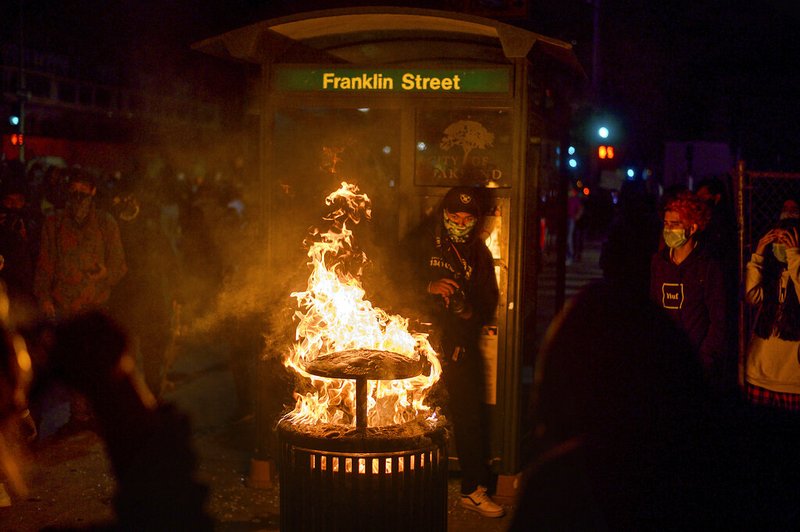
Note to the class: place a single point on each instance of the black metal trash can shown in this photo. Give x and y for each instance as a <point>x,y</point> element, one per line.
<point>337,478</point>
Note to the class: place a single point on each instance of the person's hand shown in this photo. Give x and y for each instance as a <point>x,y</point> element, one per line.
<point>443,287</point>
<point>789,238</point>
<point>773,235</point>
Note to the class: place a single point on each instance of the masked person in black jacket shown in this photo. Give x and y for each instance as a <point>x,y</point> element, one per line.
<point>455,271</point>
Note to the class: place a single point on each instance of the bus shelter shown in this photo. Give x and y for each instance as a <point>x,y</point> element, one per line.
<point>409,103</point>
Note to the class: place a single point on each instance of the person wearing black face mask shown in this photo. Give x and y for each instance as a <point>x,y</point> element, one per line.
<point>80,260</point>
<point>454,274</point>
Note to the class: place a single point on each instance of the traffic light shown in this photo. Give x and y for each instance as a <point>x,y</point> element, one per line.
<point>14,116</point>
<point>605,152</point>
<point>15,125</point>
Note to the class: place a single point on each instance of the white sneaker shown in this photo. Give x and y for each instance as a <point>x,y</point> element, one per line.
<point>479,501</point>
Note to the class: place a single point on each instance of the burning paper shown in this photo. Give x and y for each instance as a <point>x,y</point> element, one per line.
<point>333,316</point>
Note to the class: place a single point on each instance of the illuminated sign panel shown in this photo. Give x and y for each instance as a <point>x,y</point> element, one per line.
<point>394,80</point>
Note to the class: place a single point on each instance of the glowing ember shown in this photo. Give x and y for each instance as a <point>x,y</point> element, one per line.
<point>333,316</point>
<point>335,463</point>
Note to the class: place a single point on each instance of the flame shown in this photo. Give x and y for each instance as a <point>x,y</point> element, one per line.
<point>332,315</point>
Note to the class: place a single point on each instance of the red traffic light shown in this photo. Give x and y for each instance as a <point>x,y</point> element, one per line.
<point>605,152</point>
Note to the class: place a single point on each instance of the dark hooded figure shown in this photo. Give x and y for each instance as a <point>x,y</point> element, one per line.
<point>454,276</point>
<point>148,446</point>
<point>18,241</point>
<point>617,438</point>
<point>626,435</point>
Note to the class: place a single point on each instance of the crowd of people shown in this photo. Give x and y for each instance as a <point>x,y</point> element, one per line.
<point>100,274</point>
<point>152,251</point>
<point>642,415</point>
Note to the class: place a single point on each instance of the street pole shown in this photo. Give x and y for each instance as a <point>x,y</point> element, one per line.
<point>21,92</point>
<point>595,48</point>
<point>594,170</point>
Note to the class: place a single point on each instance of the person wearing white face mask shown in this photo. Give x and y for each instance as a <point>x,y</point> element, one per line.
<point>772,282</point>
<point>687,282</point>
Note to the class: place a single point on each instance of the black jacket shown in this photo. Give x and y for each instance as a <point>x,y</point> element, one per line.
<point>471,265</point>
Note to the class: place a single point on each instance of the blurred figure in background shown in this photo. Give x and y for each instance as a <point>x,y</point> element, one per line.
<point>722,240</point>
<point>52,197</point>
<point>574,233</point>
<point>633,237</point>
<point>80,260</point>
<point>201,261</point>
<point>148,446</point>
<point>17,427</point>
<point>721,233</point>
<point>143,299</point>
<point>19,233</point>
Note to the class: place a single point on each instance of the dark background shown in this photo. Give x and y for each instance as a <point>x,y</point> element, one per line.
<point>668,70</point>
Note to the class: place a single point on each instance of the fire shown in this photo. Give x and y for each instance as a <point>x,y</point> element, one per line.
<point>364,465</point>
<point>332,316</point>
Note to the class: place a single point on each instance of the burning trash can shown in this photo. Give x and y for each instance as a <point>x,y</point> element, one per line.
<point>362,478</point>
<point>361,450</point>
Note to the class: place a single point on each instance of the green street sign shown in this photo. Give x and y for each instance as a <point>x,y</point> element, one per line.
<point>393,80</point>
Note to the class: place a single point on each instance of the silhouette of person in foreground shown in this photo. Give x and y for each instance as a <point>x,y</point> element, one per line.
<point>617,407</point>
<point>149,446</point>
<point>626,433</point>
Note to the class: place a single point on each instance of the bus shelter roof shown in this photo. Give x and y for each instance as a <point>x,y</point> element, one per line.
<point>388,36</point>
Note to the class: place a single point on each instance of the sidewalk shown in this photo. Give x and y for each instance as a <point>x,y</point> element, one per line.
<point>71,485</point>
<point>578,274</point>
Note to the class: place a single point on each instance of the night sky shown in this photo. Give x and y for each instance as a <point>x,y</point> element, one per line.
<point>669,70</point>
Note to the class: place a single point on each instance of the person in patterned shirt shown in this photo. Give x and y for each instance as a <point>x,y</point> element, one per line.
<point>80,260</point>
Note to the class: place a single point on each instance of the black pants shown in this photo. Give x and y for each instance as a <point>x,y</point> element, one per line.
<point>464,380</point>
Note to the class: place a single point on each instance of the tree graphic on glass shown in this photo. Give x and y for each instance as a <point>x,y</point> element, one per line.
<point>469,135</point>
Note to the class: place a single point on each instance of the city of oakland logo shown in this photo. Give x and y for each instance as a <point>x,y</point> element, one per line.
<point>672,295</point>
